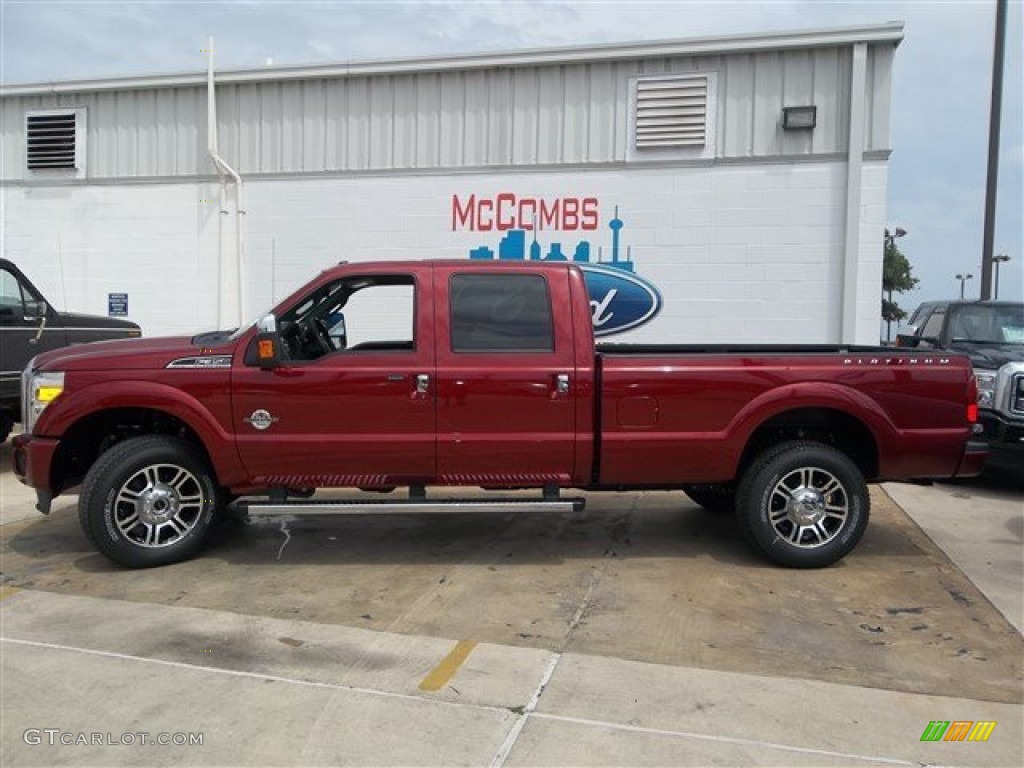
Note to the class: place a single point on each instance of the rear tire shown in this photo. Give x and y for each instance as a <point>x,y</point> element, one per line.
<point>803,505</point>
<point>149,501</point>
<point>717,497</point>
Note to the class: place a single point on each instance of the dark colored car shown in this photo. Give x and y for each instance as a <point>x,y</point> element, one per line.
<point>29,325</point>
<point>991,333</point>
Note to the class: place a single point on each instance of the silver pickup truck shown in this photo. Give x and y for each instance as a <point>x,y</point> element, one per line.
<point>991,334</point>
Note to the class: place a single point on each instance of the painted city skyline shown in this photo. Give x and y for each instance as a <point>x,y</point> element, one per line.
<point>513,247</point>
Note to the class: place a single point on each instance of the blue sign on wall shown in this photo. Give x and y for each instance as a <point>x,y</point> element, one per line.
<point>619,300</point>
<point>117,304</point>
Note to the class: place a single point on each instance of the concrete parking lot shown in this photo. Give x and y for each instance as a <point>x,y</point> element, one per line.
<point>639,632</point>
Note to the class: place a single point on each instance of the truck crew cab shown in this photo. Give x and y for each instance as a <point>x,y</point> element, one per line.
<point>30,325</point>
<point>422,374</point>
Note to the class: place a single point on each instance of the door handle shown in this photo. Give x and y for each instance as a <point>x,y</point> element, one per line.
<point>422,383</point>
<point>562,384</point>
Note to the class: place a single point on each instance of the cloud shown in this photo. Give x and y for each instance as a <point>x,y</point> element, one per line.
<point>941,80</point>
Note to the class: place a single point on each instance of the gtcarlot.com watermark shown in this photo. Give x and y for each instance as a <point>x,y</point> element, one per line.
<point>55,737</point>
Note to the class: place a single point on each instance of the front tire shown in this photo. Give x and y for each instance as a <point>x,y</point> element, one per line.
<point>149,501</point>
<point>803,505</point>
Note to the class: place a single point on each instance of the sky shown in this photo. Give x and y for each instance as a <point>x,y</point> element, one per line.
<point>941,82</point>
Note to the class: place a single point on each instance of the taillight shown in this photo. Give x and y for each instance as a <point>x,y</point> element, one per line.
<point>972,400</point>
<point>972,413</point>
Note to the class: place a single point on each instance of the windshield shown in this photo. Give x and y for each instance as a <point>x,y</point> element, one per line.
<point>982,324</point>
<point>237,333</point>
<point>298,313</point>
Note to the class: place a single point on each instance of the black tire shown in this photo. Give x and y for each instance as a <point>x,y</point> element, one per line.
<point>6,425</point>
<point>718,497</point>
<point>149,501</point>
<point>803,505</point>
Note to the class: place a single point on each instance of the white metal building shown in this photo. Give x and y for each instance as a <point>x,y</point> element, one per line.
<point>680,162</point>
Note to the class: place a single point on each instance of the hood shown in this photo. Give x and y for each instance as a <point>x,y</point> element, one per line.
<point>78,320</point>
<point>991,356</point>
<point>129,354</point>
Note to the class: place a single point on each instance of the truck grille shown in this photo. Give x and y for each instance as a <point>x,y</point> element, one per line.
<point>26,376</point>
<point>1017,394</point>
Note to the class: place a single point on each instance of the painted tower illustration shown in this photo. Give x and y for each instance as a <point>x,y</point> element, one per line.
<point>616,224</point>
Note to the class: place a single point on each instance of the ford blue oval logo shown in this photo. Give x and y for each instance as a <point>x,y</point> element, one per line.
<point>619,300</point>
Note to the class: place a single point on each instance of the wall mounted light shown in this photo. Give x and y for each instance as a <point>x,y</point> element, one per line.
<point>795,118</point>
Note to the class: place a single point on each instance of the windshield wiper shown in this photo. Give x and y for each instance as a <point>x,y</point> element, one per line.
<point>212,337</point>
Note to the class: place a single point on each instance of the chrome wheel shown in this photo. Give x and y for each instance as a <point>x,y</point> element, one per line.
<point>803,504</point>
<point>158,506</point>
<point>808,507</point>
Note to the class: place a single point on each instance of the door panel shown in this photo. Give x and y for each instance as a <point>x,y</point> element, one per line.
<point>23,335</point>
<point>354,417</point>
<point>503,416</point>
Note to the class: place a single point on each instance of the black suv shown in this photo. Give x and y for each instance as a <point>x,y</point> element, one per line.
<point>991,333</point>
<point>29,325</point>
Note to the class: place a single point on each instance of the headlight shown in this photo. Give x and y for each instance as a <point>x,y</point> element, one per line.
<point>41,390</point>
<point>986,388</point>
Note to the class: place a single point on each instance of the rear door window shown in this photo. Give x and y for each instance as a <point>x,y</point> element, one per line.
<point>501,313</point>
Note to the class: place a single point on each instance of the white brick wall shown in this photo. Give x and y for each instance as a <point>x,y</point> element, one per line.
<point>747,253</point>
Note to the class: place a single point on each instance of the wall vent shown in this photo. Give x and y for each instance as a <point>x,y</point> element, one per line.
<point>671,111</point>
<point>52,140</point>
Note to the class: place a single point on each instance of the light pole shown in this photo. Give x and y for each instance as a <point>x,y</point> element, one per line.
<point>890,242</point>
<point>963,281</point>
<point>997,260</point>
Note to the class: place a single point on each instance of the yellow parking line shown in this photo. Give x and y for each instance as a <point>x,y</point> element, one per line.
<point>445,671</point>
<point>6,592</point>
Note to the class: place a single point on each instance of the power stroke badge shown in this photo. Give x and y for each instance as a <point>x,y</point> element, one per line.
<point>260,419</point>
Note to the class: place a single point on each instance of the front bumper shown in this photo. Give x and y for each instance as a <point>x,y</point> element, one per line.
<point>1005,439</point>
<point>33,459</point>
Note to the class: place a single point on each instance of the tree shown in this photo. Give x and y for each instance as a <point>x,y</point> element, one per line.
<point>897,277</point>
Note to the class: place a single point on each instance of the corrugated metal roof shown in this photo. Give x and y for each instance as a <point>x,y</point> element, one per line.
<point>574,111</point>
<point>890,32</point>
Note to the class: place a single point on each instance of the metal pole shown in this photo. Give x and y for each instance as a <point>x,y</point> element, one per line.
<point>888,323</point>
<point>993,150</point>
<point>963,281</point>
<point>997,260</point>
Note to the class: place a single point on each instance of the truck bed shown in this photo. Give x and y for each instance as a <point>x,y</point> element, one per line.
<point>757,350</point>
<point>692,410</point>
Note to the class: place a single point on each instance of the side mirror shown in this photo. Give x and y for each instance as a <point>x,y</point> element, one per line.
<point>268,343</point>
<point>35,310</point>
<point>915,342</point>
<point>336,329</point>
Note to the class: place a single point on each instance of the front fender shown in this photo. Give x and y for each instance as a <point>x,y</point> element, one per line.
<point>76,404</point>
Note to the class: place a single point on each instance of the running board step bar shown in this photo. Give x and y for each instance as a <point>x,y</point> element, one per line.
<point>410,507</point>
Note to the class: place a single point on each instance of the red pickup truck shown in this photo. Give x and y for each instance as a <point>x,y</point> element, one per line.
<point>419,374</point>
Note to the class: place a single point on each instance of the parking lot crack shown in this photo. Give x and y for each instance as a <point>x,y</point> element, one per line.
<point>287,536</point>
<point>581,610</point>
<point>524,714</point>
